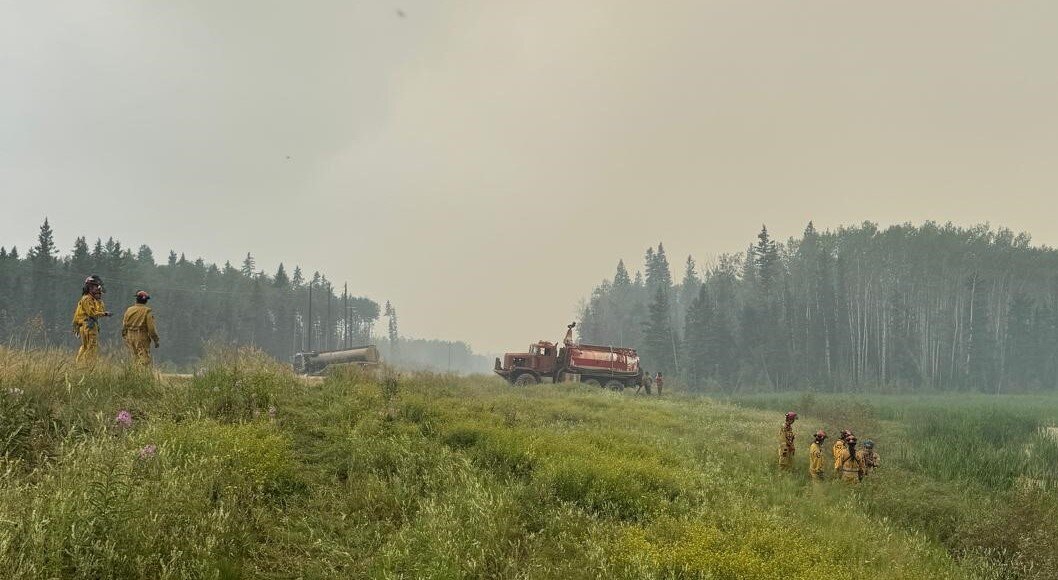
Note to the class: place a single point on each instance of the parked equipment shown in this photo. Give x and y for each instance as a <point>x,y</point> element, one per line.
<point>315,363</point>
<point>612,367</point>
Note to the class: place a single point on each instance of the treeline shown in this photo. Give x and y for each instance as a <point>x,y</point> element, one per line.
<point>936,307</point>
<point>194,302</point>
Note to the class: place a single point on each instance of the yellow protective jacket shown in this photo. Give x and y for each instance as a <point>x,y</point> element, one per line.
<point>138,318</point>
<point>851,468</point>
<point>839,450</point>
<point>815,460</point>
<point>87,313</point>
<point>786,439</point>
<point>871,461</point>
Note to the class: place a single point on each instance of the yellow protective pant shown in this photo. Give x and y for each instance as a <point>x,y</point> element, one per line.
<point>785,457</point>
<point>139,343</point>
<point>89,345</point>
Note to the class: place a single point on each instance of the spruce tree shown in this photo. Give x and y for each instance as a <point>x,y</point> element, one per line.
<point>145,256</point>
<point>249,266</point>
<point>659,342</point>
<point>281,280</point>
<point>621,278</point>
<point>44,252</point>
<point>696,338</point>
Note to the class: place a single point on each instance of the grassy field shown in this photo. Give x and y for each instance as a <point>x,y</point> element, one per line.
<point>247,472</point>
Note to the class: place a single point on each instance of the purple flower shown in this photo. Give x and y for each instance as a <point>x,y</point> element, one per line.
<point>124,419</point>
<point>148,451</point>
<point>272,412</point>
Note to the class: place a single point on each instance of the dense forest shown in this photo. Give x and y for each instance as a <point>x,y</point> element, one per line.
<point>194,302</point>
<point>934,307</point>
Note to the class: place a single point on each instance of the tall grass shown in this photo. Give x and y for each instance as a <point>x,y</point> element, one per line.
<point>978,473</point>
<point>247,471</point>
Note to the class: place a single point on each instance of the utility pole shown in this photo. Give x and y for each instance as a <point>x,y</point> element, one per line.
<point>345,317</point>
<point>330,331</point>
<point>309,326</point>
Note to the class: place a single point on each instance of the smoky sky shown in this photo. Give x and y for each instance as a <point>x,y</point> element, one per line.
<point>483,163</point>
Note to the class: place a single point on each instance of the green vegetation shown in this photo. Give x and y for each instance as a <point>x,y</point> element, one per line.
<point>246,471</point>
<point>903,309</point>
<point>196,302</point>
<point>977,473</point>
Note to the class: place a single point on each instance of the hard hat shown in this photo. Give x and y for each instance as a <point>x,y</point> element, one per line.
<point>821,434</point>
<point>868,444</point>
<point>845,433</point>
<point>791,415</point>
<point>143,295</point>
<point>92,283</point>
<point>851,440</point>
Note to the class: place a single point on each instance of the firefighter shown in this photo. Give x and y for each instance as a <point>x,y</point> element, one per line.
<point>786,441</point>
<point>659,381</point>
<point>568,341</point>
<point>851,463</point>
<point>839,448</point>
<point>138,329</point>
<point>645,382</point>
<point>815,456</point>
<point>86,315</point>
<point>870,457</point>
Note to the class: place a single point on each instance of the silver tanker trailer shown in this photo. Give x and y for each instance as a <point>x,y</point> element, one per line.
<point>315,363</point>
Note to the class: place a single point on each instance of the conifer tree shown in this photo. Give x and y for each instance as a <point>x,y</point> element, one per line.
<point>249,266</point>
<point>659,342</point>
<point>281,280</point>
<point>394,335</point>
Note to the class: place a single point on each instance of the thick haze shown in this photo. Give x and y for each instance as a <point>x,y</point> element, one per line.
<point>482,164</point>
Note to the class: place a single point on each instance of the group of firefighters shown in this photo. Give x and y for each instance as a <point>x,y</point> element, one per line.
<point>850,464</point>
<point>137,326</point>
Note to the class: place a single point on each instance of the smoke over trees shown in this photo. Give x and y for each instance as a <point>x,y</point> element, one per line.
<point>856,309</point>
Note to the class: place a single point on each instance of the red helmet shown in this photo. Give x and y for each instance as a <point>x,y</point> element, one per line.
<point>791,416</point>
<point>821,434</point>
<point>142,296</point>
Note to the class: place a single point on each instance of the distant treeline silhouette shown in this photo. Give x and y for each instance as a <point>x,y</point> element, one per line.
<point>857,309</point>
<point>194,302</point>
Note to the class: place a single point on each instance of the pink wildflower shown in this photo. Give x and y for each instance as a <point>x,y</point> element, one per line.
<point>272,412</point>
<point>148,451</point>
<point>124,419</point>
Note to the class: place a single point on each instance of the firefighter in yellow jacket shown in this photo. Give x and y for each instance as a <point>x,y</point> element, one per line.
<point>90,309</point>
<point>850,467</point>
<point>138,329</point>
<point>839,449</point>
<point>871,461</point>
<point>786,441</point>
<point>815,456</point>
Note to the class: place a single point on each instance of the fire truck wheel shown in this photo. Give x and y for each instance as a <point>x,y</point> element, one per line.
<point>525,379</point>
<point>593,383</point>
<point>615,386</point>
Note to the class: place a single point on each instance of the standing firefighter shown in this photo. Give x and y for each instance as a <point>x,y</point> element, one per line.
<point>786,441</point>
<point>815,456</point>
<point>659,381</point>
<point>839,448</point>
<point>90,309</point>
<point>139,331</point>
<point>851,464</point>
<point>645,382</point>
<point>870,457</point>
